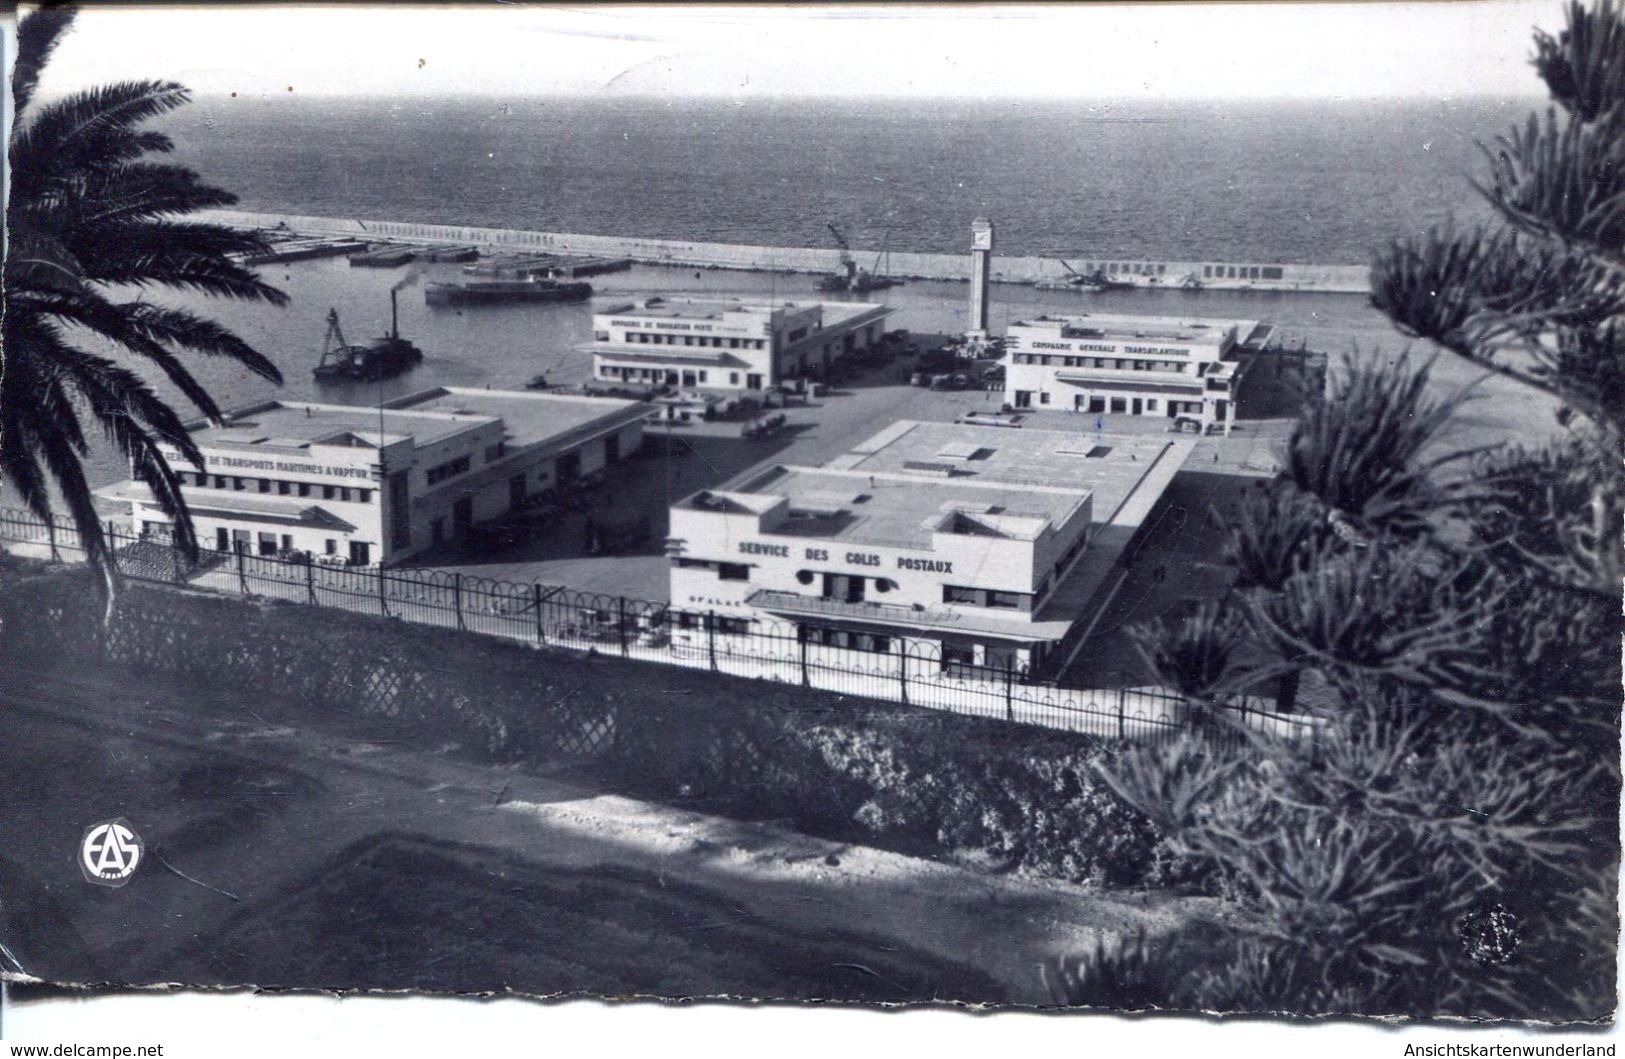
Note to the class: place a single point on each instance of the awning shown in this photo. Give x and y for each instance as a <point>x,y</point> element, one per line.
<point>891,616</point>
<point>237,507</point>
<point>718,359</point>
<point>1089,382</point>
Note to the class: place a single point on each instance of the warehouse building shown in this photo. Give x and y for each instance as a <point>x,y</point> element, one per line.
<point>366,485</point>
<point>953,542</point>
<point>733,347</point>
<point>1181,369</point>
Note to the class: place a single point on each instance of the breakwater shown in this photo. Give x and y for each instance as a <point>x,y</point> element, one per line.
<point>1150,273</point>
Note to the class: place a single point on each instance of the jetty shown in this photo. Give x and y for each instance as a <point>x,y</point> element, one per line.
<point>1207,274</point>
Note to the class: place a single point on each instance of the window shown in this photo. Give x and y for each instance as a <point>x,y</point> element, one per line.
<point>691,564</point>
<point>304,488</point>
<point>239,484</point>
<point>265,485</point>
<point>344,493</point>
<point>1150,404</point>
<point>284,488</point>
<point>733,572</point>
<point>1005,600</point>
<point>363,496</point>
<point>450,469</point>
<point>733,378</point>
<point>327,492</point>
<point>733,626</point>
<point>1272,272</point>
<point>702,376</point>
<point>287,542</point>
<point>1043,397</point>
<point>956,594</point>
<point>494,452</point>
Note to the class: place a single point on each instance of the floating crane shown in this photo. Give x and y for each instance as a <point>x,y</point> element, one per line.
<point>851,277</point>
<point>387,355</point>
<point>1078,281</point>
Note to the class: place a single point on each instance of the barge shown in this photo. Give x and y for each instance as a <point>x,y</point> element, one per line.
<point>505,291</point>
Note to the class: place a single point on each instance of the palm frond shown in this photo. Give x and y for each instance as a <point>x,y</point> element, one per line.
<point>169,254</point>
<point>38,34</point>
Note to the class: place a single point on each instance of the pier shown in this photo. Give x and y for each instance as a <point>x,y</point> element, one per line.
<point>1213,274</point>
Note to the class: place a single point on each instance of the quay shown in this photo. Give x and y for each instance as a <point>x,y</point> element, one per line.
<point>1137,272</point>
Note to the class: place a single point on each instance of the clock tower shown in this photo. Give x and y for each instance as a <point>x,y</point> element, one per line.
<point>981,266</point>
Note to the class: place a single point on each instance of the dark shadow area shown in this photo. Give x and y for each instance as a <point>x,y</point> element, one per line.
<point>405,911</point>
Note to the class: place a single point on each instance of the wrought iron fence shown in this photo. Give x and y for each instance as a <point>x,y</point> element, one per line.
<point>889,668</point>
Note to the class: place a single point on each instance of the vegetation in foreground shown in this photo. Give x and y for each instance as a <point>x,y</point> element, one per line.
<point>1450,846</point>
<point>90,214</point>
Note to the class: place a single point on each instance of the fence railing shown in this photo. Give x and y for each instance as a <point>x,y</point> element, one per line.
<point>889,668</point>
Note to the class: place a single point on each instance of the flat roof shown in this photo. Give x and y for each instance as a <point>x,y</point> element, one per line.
<point>1109,466</point>
<point>902,510</point>
<point>528,418</point>
<point>294,425</point>
<point>1123,327</point>
<point>713,309</point>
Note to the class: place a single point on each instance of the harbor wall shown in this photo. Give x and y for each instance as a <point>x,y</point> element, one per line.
<point>1348,279</point>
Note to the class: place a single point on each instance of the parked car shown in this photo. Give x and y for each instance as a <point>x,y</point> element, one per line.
<point>594,624</point>
<point>763,427</point>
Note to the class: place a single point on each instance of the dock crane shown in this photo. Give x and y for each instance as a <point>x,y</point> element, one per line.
<point>851,277</point>
<point>847,278</point>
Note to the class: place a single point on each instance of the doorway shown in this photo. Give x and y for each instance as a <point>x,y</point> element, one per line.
<point>462,516</point>
<point>1137,407</point>
<point>568,468</point>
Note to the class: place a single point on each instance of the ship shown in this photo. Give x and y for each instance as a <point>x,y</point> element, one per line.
<point>1089,282</point>
<point>501,291</point>
<point>852,279</point>
<point>383,357</point>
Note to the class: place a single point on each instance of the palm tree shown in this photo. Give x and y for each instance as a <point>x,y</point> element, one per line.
<point>90,216</point>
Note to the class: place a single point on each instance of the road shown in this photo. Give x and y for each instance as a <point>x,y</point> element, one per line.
<point>295,849</point>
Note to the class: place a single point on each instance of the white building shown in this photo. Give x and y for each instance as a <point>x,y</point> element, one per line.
<point>374,485</point>
<point>728,346</point>
<point>958,543</point>
<point>1129,365</point>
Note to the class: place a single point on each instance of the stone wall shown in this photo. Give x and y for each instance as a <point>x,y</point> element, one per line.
<point>851,768</point>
